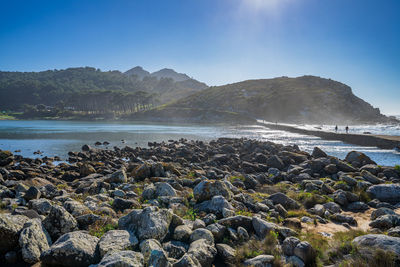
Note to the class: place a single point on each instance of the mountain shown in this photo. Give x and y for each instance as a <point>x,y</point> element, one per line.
<point>163,73</point>
<point>306,99</point>
<point>88,85</point>
<point>138,71</point>
<point>170,73</point>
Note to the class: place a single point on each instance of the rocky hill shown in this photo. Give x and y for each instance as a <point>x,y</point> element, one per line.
<point>306,99</point>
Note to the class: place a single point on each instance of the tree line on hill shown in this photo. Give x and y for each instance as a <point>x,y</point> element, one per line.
<point>86,90</point>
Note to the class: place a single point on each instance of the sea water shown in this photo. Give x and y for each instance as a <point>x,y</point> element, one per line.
<point>57,138</point>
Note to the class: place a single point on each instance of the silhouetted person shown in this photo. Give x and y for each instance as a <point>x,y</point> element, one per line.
<point>336,128</point>
<point>347,129</point>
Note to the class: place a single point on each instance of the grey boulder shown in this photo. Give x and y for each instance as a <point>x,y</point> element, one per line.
<point>73,249</point>
<point>33,240</point>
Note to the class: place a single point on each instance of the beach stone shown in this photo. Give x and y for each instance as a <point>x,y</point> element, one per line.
<point>359,157</point>
<point>318,153</point>
<point>226,252</point>
<point>175,249</point>
<point>386,221</point>
<point>369,177</point>
<point>41,206</point>
<point>261,227</point>
<point>10,228</point>
<point>151,222</point>
<point>385,192</point>
<point>118,177</point>
<point>287,202</point>
<point>164,189</point>
<point>182,233</point>
<point>357,206</point>
<point>59,222</point>
<point>126,258</point>
<point>74,249</point>
<point>218,231</point>
<point>33,240</point>
<point>206,189</point>
<point>203,251</point>
<point>216,206</point>
<point>260,261</point>
<point>275,162</point>
<point>236,221</point>
<point>380,212</point>
<point>141,172</point>
<point>153,253</point>
<point>305,252</point>
<point>116,240</point>
<point>395,231</point>
<point>379,241</point>
<point>331,169</point>
<point>332,207</point>
<point>76,208</point>
<point>32,193</point>
<point>295,261</point>
<point>289,245</point>
<point>187,261</point>
<point>202,233</point>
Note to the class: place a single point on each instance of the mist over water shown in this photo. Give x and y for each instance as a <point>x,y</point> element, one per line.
<point>57,138</point>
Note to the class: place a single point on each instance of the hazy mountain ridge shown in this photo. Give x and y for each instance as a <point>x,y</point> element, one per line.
<point>300,100</point>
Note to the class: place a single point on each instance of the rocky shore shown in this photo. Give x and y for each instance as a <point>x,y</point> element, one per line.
<point>229,202</point>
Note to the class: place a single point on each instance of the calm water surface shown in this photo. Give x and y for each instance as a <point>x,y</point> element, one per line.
<point>56,138</point>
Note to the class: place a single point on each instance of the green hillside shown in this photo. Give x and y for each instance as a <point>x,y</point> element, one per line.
<point>302,99</point>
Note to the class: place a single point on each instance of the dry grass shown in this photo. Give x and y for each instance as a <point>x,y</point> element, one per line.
<point>255,247</point>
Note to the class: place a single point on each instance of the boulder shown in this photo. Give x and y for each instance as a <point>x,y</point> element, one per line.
<point>117,177</point>
<point>116,240</point>
<point>289,245</point>
<point>260,261</point>
<point>175,249</point>
<point>226,252</point>
<point>380,212</point>
<point>261,227</point>
<point>385,192</point>
<point>305,252</point>
<point>216,205</point>
<point>154,254</point>
<point>369,177</point>
<point>182,233</point>
<point>125,258</point>
<point>32,193</point>
<point>378,241</point>
<point>206,189</point>
<point>358,157</point>
<point>202,233</point>
<point>164,189</point>
<point>10,228</point>
<point>33,240</point>
<point>41,206</point>
<point>318,153</point>
<point>284,200</point>
<point>203,251</point>
<point>275,162</point>
<point>187,260</point>
<point>150,222</point>
<point>73,249</point>
<point>386,221</point>
<point>59,222</point>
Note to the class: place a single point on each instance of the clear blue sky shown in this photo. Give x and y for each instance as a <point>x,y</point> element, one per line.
<point>216,41</point>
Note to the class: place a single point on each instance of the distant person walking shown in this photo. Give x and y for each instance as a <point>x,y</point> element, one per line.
<point>347,129</point>
<point>336,128</point>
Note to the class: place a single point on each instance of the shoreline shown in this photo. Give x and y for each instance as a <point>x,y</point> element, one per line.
<point>380,141</point>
